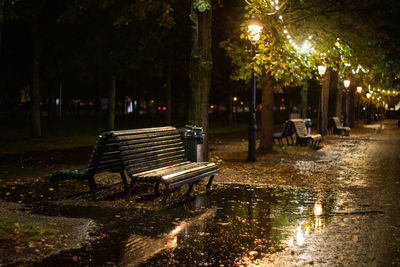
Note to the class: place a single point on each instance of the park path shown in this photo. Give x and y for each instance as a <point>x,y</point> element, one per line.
<point>362,173</point>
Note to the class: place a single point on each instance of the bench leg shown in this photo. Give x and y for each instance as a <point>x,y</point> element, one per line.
<point>165,194</point>
<point>123,177</point>
<point>189,189</point>
<point>92,185</point>
<point>210,182</point>
<point>129,191</point>
<point>156,189</point>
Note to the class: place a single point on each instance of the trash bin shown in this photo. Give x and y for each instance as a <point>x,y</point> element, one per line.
<point>308,125</point>
<point>192,138</point>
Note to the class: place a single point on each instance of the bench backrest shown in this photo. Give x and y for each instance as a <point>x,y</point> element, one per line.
<point>104,156</point>
<point>299,127</point>
<point>287,129</point>
<point>149,148</point>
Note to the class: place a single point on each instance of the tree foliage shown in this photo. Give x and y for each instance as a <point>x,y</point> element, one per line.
<point>344,34</point>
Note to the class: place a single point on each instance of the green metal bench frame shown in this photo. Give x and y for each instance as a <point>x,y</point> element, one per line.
<point>149,155</point>
<point>302,137</point>
<point>335,127</point>
<point>287,132</point>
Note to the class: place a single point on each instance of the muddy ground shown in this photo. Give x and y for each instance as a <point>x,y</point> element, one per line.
<point>360,172</point>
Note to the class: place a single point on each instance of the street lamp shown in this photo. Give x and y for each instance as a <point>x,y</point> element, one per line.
<point>359,90</point>
<point>254,31</point>
<point>368,95</point>
<point>346,84</point>
<point>323,110</point>
<point>321,70</point>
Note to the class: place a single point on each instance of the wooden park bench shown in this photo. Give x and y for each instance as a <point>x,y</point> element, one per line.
<point>335,127</point>
<point>302,137</point>
<point>150,155</point>
<point>287,132</point>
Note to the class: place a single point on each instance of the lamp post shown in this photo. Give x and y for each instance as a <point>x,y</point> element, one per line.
<point>254,30</point>
<point>359,90</point>
<point>346,84</point>
<point>368,95</point>
<point>323,112</point>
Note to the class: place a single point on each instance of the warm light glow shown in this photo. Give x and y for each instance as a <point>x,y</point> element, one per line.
<point>317,209</point>
<point>305,47</point>
<point>359,89</point>
<point>254,29</point>
<point>299,236</point>
<point>321,69</point>
<point>368,95</point>
<point>212,106</point>
<point>235,98</point>
<point>346,83</point>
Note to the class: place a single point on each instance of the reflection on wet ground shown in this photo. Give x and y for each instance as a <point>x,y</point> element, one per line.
<point>233,225</point>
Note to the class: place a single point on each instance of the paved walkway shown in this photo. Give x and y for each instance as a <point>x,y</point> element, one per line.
<point>362,174</point>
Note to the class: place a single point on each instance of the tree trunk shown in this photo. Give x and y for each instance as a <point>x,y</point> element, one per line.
<point>267,115</point>
<point>36,130</point>
<point>60,104</point>
<point>353,107</point>
<point>200,70</point>
<point>339,96</point>
<point>304,95</point>
<point>51,107</point>
<point>111,103</point>
<point>325,102</point>
<point>230,104</point>
<point>169,92</point>
<point>1,20</point>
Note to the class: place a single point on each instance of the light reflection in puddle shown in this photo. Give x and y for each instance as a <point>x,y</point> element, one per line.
<point>237,226</point>
<point>139,249</point>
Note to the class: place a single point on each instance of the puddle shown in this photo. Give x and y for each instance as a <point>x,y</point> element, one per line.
<point>233,225</point>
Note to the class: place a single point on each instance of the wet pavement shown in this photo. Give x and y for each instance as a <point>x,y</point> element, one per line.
<point>234,225</point>
<point>338,206</point>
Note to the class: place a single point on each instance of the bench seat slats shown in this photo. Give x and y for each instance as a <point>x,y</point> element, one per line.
<point>173,169</point>
<point>188,174</point>
<point>148,167</point>
<point>177,170</point>
<point>194,168</point>
<point>178,173</point>
<point>176,184</point>
<point>161,169</point>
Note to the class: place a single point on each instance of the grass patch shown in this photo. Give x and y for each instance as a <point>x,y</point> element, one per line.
<point>23,233</point>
